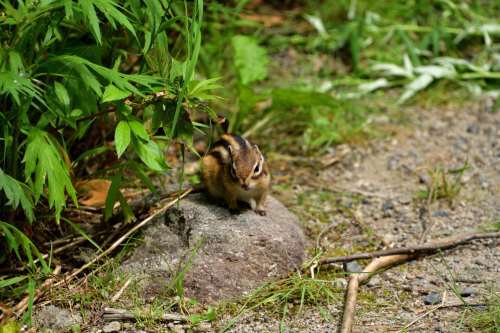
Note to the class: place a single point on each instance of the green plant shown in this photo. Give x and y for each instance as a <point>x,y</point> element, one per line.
<point>281,295</point>
<point>444,184</point>
<point>70,68</point>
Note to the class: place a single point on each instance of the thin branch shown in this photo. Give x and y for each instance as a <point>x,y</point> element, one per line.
<point>428,248</point>
<point>124,237</point>
<point>358,278</point>
<point>111,314</point>
<point>389,258</point>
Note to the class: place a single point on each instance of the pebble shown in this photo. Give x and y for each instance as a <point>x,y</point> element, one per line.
<point>388,205</point>
<point>352,267</point>
<point>473,128</point>
<point>373,282</point>
<point>440,213</point>
<point>467,291</point>
<point>113,326</point>
<point>432,298</point>
<point>392,163</point>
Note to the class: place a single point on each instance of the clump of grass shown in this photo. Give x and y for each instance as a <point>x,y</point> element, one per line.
<point>288,296</point>
<point>487,320</point>
<point>444,184</point>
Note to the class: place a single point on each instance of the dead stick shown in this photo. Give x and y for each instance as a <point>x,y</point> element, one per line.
<point>124,237</point>
<point>431,247</point>
<point>111,314</point>
<point>358,278</point>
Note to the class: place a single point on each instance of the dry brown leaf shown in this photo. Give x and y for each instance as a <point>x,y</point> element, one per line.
<point>266,20</point>
<point>93,192</point>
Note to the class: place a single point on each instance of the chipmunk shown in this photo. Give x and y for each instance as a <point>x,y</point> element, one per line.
<point>235,170</point>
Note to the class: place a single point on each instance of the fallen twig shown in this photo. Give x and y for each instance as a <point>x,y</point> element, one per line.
<point>111,314</point>
<point>120,292</point>
<point>391,257</point>
<point>430,247</point>
<point>358,278</point>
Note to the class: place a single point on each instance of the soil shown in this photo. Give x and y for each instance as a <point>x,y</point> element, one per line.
<point>379,182</point>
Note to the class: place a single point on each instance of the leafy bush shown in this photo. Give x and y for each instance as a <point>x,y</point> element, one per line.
<point>72,74</point>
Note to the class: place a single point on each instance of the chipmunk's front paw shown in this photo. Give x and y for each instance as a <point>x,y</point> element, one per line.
<point>261,212</point>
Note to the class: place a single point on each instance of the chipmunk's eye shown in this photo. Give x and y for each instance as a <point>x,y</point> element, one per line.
<point>233,172</point>
<point>257,169</point>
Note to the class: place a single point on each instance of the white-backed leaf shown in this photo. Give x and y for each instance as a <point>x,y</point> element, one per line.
<point>415,86</point>
<point>436,71</point>
<point>374,85</point>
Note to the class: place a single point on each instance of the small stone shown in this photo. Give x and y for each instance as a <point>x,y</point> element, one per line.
<point>388,205</point>
<point>113,326</point>
<point>340,283</point>
<point>352,267</point>
<point>373,282</point>
<point>440,213</point>
<point>467,292</point>
<point>425,179</point>
<point>203,327</point>
<point>392,163</point>
<point>432,298</point>
<point>473,128</point>
<point>365,201</point>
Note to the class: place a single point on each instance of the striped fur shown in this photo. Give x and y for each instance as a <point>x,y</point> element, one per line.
<point>235,170</point>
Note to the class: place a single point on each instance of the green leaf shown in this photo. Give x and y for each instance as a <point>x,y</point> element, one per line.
<point>82,233</point>
<point>151,154</point>
<point>8,282</point>
<point>138,129</point>
<point>112,93</point>
<point>90,14</point>
<point>250,59</point>
<point>122,137</point>
<point>43,160</point>
<point>113,192</point>
<point>62,94</point>
<point>17,193</point>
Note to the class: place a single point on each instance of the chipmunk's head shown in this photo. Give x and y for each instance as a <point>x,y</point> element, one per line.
<point>247,163</point>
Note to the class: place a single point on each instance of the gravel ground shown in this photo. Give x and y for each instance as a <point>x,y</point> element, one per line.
<point>387,174</point>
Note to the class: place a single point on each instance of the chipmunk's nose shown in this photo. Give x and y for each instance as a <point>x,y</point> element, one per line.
<point>245,187</point>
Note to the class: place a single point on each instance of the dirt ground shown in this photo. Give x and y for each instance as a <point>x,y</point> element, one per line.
<point>379,182</point>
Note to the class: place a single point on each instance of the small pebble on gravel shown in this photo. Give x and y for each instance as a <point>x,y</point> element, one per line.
<point>113,326</point>
<point>440,213</point>
<point>432,298</point>
<point>467,291</point>
<point>473,128</point>
<point>352,267</point>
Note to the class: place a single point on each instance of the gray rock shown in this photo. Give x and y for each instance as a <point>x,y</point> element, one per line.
<point>113,326</point>
<point>53,318</point>
<point>230,254</point>
<point>387,205</point>
<point>440,213</point>
<point>432,298</point>
<point>352,267</point>
<point>467,292</point>
<point>473,128</point>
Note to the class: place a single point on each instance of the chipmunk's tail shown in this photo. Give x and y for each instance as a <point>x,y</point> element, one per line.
<point>223,123</point>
